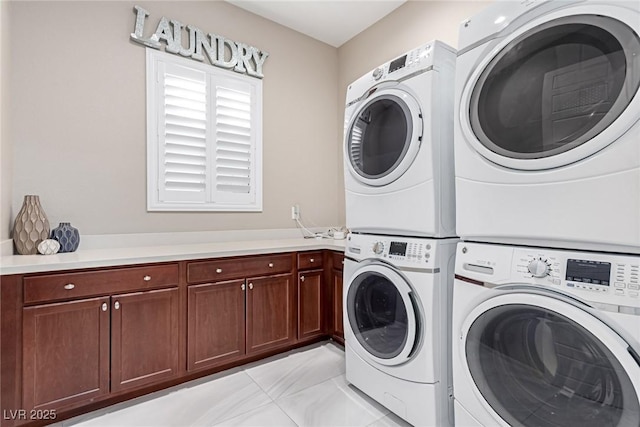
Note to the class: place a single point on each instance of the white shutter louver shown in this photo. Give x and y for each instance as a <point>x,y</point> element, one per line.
<point>183,135</point>
<point>234,136</point>
<point>204,137</point>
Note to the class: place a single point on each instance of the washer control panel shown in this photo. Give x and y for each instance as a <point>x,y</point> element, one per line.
<point>420,57</point>
<point>597,277</point>
<point>400,251</point>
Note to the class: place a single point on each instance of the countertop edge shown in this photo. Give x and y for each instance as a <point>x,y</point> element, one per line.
<point>113,257</point>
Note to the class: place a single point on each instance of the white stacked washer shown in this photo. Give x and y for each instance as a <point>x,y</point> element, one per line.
<point>545,337</point>
<point>547,118</point>
<point>399,146</point>
<point>397,295</point>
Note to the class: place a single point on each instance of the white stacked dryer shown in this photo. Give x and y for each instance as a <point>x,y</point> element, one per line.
<point>399,146</point>
<point>400,208</point>
<point>547,125</point>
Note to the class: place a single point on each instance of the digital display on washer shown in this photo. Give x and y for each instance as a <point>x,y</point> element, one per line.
<point>594,272</point>
<point>396,64</point>
<point>398,248</point>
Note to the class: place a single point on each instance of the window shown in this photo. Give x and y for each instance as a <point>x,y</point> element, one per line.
<point>204,137</point>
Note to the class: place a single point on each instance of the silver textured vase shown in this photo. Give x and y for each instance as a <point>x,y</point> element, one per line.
<point>31,226</point>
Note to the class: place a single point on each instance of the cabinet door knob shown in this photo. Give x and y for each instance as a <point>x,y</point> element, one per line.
<point>146,278</point>
<point>116,305</point>
<point>218,270</point>
<point>312,260</point>
<point>250,285</point>
<point>242,287</point>
<point>302,278</point>
<point>104,306</point>
<point>270,265</point>
<point>69,286</point>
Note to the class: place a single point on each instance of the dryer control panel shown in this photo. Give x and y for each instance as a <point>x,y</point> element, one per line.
<point>399,251</point>
<point>595,277</point>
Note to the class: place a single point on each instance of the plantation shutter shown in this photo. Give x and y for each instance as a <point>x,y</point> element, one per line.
<point>183,134</point>
<point>235,136</point>
<point>204,137</point>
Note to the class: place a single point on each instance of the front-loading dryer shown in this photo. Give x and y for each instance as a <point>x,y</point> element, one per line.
<point>545,337</point>
<point>396,299</point>
<point>547,118</point>
<point>398,147</point>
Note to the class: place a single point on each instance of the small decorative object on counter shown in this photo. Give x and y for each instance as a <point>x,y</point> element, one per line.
<point>31,226</point>
<point>67,236</point>
<point>49,247</point>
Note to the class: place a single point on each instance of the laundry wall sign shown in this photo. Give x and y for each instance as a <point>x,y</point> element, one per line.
<point>218,50</point>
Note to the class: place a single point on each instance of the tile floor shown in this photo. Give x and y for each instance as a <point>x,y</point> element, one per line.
<point>304,387</point>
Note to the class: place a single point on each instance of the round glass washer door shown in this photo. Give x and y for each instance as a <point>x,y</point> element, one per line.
<point>383,137</point>
<point>383,315</point>
<point>537,361</point>
<point>543,99</point>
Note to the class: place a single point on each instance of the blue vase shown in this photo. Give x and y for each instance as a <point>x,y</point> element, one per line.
<point>67,236</point>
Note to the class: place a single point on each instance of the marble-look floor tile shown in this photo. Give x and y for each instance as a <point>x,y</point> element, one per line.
<point>298,371</point>
<point>265,416</point>
<point>332,403</point>
<point>390,420</point>
<point>202,405</point>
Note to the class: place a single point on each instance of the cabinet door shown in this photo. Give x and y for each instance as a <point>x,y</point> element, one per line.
<point>271,314</point>
<point>144,338</point>
<point>216,326</point>
<point>310,304</point>
<point>337,304</point>
<point>65,353</point>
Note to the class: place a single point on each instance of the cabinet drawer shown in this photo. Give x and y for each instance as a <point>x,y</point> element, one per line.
<point>337,260</point>
<point>238,268</point>
<point>55,287</point>
<point>308,260</point>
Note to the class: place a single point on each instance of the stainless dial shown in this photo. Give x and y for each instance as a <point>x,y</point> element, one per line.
<point>378,248</point>
<point>539,267</point>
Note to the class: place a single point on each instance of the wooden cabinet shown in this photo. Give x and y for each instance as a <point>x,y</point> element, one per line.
<point>311,295</point>
<point>230,319</point>
<point>216,323</point>
<point>78,351</point>
<point>270,312</point>
<point>337,285</point>
<point>65,353</point>
<point>144,338</point>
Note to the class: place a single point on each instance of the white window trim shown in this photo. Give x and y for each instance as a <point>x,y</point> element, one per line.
<point>153,58</point>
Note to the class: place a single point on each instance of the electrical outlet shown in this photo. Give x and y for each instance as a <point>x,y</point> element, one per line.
<point>295,212</point>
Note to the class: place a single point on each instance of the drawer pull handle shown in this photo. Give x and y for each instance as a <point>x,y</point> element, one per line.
<point>104,306</point>
<point>250,285</point>
<point>312,260</point>
<point>146,278</point>
<point>218,270</point>
<point>69,286</point>
<point>270,265</point>
<point>302,278</point>
<point>116,305</point>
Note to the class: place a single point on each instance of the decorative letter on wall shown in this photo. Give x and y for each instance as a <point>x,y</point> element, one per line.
<point>242,58</point>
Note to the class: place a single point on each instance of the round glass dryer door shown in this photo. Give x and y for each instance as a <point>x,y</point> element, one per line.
<point>544,367</point>
<point>382,314</point>
<point>383,137</point>
<point>555,88</point>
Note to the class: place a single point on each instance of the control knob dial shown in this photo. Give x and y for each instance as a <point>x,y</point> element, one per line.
<point>377,73</point>
<point>378,247</point>
<point>539,267</point>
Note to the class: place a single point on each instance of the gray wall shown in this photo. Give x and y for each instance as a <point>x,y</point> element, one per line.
<point>6,154</point>
<point>78,116</point>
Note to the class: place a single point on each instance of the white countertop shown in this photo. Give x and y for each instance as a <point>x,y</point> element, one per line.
<point>106,257</point>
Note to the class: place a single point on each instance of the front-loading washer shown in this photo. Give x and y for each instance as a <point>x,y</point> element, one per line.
<point>398,146</point>
<point>396,299</point>
<point>547,118</point>
<point>545,337</point>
